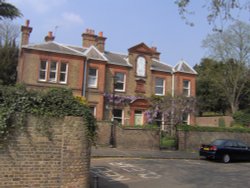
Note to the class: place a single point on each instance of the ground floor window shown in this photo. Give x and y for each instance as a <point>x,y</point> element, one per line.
<point>118,115</point>
<point>93,110</point>
<point>186,119</point>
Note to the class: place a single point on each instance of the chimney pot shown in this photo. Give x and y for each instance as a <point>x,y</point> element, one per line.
<point>49,37</point>
<point>100,34</point>
<point>154,48</point>
<point>27,23</point>
<point>50,34</point>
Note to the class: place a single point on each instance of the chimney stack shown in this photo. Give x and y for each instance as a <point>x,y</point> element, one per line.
<point>156,54</point>
<point>100,42</point>
<point>26,30</point>
<point>49,37</point>
<point>89,38</point>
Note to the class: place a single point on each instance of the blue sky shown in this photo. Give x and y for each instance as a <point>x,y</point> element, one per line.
<point>125,23</point>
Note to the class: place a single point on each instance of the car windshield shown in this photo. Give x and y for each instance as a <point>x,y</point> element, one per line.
<point>218,142</point>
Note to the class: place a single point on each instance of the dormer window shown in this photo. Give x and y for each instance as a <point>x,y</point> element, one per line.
<point>141,67</point>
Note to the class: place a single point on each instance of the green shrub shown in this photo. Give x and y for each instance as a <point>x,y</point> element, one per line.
<point>242,117</point>
<point>16,102</point>
<point>167,141</point>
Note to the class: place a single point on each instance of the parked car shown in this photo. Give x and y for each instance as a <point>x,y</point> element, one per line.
<point>225,150</point>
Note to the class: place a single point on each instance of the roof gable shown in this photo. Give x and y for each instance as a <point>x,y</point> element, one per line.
<point>93,53</point>
<point>182,66</point>
<point>142,48</point>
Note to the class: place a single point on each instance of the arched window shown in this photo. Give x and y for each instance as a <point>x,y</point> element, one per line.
<point>141,66</point>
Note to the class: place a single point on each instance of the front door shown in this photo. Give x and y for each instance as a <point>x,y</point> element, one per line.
<point>138,117</point>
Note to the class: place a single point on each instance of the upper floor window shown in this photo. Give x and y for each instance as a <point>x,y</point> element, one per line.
<point>119,81</point>
<point>159,86</point>
<point>53,71</point>
<point>141,67</point>
<point>186,88</point>
<point>92,79</point>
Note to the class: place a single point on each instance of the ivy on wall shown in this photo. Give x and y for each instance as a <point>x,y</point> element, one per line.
<point>16,102</point>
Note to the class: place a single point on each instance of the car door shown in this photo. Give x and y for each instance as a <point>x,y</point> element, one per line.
<point>230,149</point>
<point>244,152</point>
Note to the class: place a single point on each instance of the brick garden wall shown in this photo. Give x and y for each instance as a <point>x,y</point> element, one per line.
<point>129,138</point>
<point>32,160</point>
<point>213,121</point>
<point>192,140</point>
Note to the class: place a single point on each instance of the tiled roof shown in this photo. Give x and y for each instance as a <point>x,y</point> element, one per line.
<point>53,47</point>
<point>117,59</point>
<point>111,57</point>
<point>182,66</point>
<point>160,66</point>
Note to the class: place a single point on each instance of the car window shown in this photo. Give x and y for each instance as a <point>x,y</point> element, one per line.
<point>229,144</point>
<point>218,142</point>
<point>241,144</point>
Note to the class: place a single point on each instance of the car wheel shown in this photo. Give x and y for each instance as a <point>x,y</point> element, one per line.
<point>226,158</point>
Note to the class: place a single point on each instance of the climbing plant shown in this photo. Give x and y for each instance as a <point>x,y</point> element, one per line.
<point>16,102</point>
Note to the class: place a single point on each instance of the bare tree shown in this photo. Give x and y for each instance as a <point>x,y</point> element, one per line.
<point>217,10</point>
<point>9,31</point>
<point>232,48</point>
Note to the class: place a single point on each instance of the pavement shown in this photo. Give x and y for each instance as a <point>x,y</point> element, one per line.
<point>106,152</point>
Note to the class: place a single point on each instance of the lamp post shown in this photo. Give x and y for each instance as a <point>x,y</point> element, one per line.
<point>112,134</point>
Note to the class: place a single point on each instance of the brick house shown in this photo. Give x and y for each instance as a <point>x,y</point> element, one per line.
<point>91,71</point>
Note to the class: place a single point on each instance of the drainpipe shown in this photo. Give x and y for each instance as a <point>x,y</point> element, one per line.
<point>172,104</point>
<point>173,84</point>
<point>85,68</point>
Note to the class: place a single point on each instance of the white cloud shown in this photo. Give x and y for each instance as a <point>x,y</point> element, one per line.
<point>72,17</point>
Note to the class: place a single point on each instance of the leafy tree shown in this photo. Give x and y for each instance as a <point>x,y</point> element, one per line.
<point>8,10</point>
<point>209,91</point>
<point>232,48</point>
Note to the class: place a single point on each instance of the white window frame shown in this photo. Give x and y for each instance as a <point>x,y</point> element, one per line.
<point>63,72</point>
<point>119,81</point>
<point>122,118</point>
<point>54,79</point>
<point>96,79</point>
<point>141,66</point>
<point>187,88</point>
<point>43,70</point>
<point>160,86</point>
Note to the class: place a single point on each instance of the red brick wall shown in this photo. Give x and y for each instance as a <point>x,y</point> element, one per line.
<point>32,160</point>
<point>213,121</point>
<point>191,140</point>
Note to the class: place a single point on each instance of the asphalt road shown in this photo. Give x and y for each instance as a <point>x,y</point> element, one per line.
<point>169,173</point>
